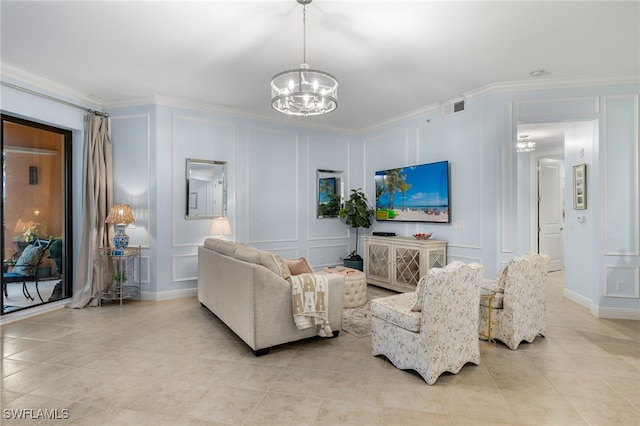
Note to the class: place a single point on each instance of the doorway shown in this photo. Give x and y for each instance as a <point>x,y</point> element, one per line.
<point>36,214</point>
<point>541,176</point>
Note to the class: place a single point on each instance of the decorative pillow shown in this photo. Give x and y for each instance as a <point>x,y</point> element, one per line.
<point>29,260</point>
<point>275,264</point>
<point>299,266</point>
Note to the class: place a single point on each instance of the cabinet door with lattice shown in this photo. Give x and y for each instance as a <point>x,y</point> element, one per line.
<point>407,270</point>
<point>378,261</point>
<point>437,259</point>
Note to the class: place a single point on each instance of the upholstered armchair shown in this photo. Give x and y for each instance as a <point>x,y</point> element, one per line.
<point>435,328</point>
<point>518,307</point>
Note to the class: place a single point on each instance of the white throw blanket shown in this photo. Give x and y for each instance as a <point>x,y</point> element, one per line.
<point>309,297</point>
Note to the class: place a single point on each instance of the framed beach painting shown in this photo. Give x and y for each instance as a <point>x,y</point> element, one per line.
<point>580,187</point>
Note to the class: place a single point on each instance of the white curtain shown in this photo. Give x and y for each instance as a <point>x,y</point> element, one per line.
<point>97,197</point>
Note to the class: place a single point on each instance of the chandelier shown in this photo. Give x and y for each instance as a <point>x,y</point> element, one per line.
<point>524,145</point>
<point>304,91</point>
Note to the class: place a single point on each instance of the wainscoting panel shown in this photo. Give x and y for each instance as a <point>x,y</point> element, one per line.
<point>622,281</point>
<point>327,255</point>
<point>185,267</point>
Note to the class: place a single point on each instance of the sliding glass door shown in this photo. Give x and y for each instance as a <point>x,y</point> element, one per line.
<point>36,214</point>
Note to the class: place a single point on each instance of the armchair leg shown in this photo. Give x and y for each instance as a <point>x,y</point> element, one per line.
<point>38,290</point>
<point>25,291</point>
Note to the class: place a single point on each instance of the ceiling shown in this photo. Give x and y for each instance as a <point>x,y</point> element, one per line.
<point>391,58</point>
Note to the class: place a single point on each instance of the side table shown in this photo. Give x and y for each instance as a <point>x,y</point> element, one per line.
<point>488,294</point>
<point>355,285</point>
<point>124,285</point>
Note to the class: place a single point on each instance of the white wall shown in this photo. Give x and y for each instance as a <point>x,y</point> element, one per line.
<point>272,182</point>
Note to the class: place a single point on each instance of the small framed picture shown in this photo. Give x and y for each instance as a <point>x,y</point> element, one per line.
<point>580,187</point>
<point>193,200</point>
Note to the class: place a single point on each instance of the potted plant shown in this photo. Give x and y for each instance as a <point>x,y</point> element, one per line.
<point>357,212</point>
<point>119,277</point>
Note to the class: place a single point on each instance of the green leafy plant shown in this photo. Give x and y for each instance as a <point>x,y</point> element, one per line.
<point>120,276</point>
<point>358,213</point>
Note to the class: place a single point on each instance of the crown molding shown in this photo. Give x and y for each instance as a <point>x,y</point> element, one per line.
<point>214,109</point>
<point>47,87</point>
<point>65,93</point>
<point>553,83</point>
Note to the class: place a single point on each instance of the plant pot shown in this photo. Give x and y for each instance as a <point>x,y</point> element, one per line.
<point>353,264</point>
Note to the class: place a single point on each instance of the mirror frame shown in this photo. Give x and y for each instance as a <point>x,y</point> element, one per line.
<point>331,181</point>
<point>192,197</point>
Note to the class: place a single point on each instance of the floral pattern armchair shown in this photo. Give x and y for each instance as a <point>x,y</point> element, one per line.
<point>441,334</point>
<point>518,308</point>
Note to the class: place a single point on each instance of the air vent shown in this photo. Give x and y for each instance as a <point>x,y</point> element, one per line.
<point>453,107</point>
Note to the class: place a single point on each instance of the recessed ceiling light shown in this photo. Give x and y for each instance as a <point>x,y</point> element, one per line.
<point>536,73</point>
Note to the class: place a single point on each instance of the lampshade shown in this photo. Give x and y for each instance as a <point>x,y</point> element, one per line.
<point>220,226</point>
<point>304,91</point>
<point>120,213</point>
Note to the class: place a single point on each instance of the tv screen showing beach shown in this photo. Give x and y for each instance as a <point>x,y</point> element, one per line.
<point>413,194</point>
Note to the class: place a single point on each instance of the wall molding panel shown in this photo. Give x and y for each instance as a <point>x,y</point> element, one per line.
<point>621,194</point>
<point>272,217</point>
<point>507,186</point>
<point>131,140</point>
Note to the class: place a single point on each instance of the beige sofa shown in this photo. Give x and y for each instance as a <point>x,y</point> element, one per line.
<point>245,289</point>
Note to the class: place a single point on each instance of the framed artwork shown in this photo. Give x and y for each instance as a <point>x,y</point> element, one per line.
<point>193,200</point>
<point>580,187</point>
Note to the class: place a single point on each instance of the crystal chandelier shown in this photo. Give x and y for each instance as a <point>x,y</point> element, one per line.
<point>524,145</point>
<point>304,91</point>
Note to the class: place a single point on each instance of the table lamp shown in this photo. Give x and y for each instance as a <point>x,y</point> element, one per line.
<point>220,226</point>
<point>121,216</point>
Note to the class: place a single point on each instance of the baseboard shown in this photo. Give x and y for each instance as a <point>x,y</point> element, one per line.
<point>169,295</point>
<point>616,313</point>
<point>598,312</point>
<point>578,298</point>
<point>33,311</point>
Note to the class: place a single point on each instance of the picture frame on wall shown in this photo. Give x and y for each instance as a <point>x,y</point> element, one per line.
<point>580,187</point>
<point>193,200</point>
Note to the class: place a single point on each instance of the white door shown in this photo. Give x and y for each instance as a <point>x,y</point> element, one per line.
<point>550,220</point>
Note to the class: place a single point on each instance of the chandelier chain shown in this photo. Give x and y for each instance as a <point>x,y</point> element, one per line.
<point>304,33</point>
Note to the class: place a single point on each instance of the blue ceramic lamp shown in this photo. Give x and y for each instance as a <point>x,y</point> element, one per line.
<point>121,216</point>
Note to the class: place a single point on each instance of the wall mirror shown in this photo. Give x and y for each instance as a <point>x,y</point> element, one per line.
<point>206,189</point>
<point>330,191</point>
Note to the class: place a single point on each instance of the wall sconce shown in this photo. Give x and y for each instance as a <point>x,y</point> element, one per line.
<point>33,175</point>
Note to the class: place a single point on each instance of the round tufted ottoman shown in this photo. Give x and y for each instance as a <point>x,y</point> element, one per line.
<point>355,286</point>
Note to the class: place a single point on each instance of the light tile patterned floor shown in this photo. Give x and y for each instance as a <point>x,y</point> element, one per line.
<point>174,363</point>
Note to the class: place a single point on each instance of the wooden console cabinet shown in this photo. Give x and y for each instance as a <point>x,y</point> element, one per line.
<point>398,263</point>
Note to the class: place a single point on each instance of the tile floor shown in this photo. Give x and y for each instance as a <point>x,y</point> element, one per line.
<point>174,363</point>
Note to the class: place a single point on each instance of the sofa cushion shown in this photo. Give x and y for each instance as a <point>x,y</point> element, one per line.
<point>247,254</point>
<point>225,247</point>
<point>211,243</point>
<point>500,281</point>
<point>275,264</point>
<point>397,309</point>
<point>299,266</point>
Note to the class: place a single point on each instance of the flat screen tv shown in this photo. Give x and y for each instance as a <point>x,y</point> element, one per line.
<point>413,194</point>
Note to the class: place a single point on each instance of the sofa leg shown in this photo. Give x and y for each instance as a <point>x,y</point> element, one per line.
<point>335,333</point>
<point>261,352</point>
